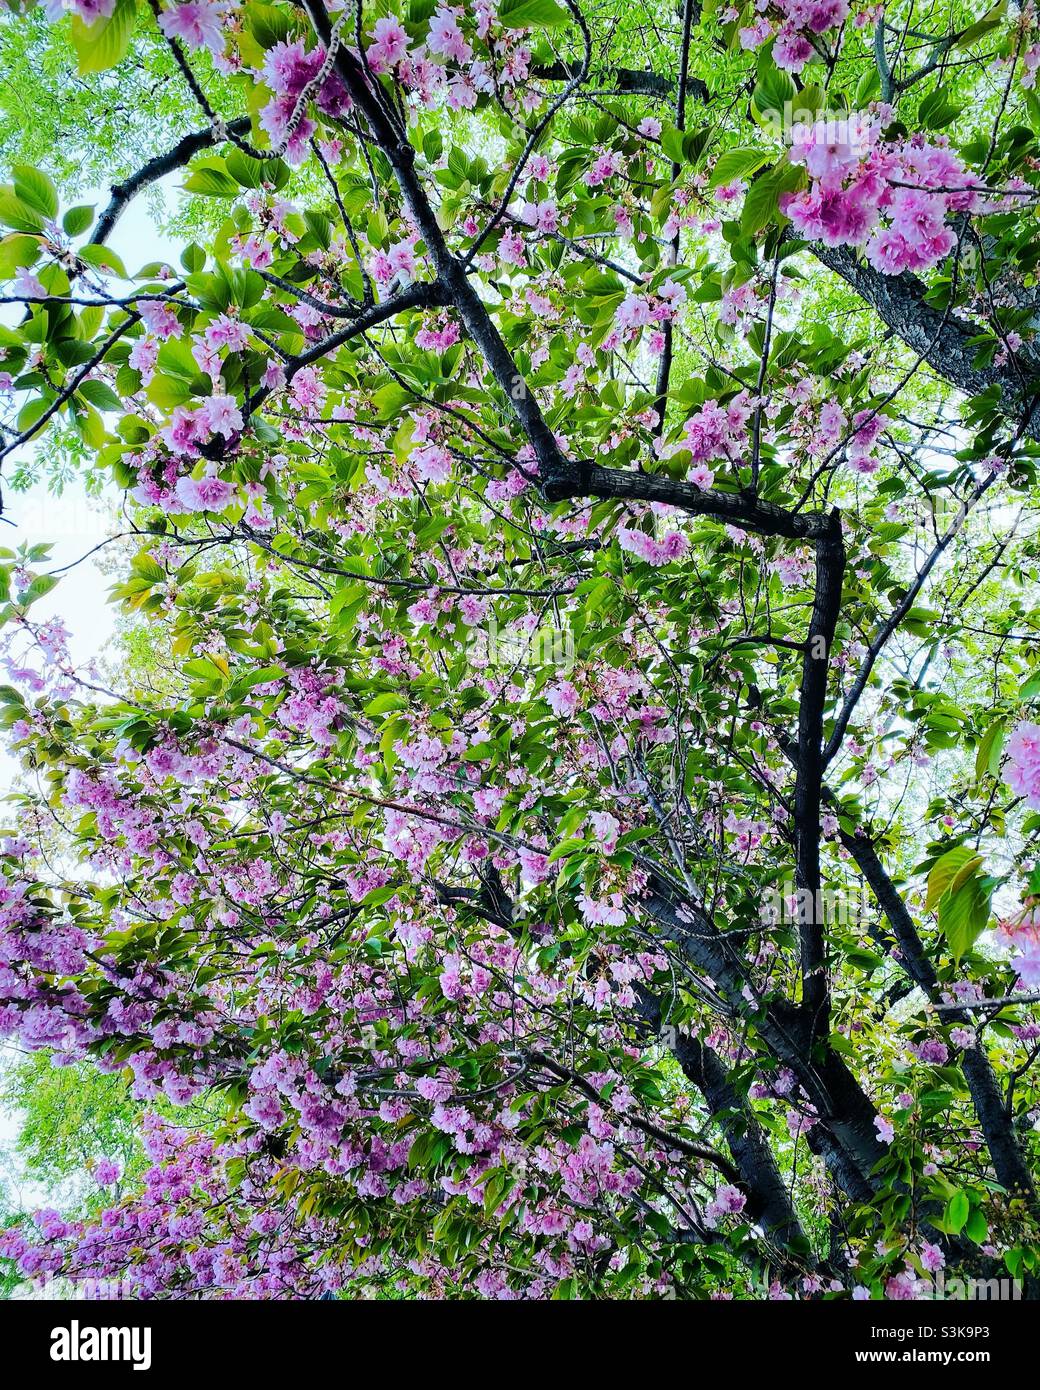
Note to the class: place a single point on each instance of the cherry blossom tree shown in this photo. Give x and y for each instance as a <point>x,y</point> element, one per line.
<point>573,833</point>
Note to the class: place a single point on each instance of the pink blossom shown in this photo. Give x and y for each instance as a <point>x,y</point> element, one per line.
<point>196,22</point>
<point>446,38</point>
<point>562,698</point>
<point>541,215</point>
<point>432,463</point>
<point>1023,763</point>
<point>256,253</point>
<point>673,545</point>
<point>27,285</point>
<point>143,357</point>
<point>90,11</point>
<point>159,319</point>
<point>728,1201</point>
<point>205,494</point>
<point>791,50</point>
<point>390,46</point>
<point>308,389</point>
<point>932,1258</point>
<point>401,259</point>
<point>605,827</point>
<point>607,912</point>
<point>221,415</point>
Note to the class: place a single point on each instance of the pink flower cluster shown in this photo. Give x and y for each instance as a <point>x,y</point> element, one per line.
<point>196,23</point>
<point>1022,935</point>
<point>443,66</point>
<point>673,545</point>
<point>290,70</point>
<point>798,27</point>
<point>712,434</point>
<point>890,197</point>
<point>638,311</point>
<point>1023,763</point>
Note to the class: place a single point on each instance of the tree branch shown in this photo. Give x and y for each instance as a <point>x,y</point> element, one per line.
<point>830,572</point>
<point>157,168</point>
<point>943,340</point>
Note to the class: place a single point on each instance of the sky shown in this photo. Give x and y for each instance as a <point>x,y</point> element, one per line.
<point>75,523</point>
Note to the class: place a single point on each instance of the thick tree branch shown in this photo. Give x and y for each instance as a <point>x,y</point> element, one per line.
<point>943,340</point>
<point>625,81</point>
<point>997,1125</point>
<point>830,572</point>
<point>769,1203</point>
<point>585,479</point>
<point>845,1113</point>
<point>157,168</point>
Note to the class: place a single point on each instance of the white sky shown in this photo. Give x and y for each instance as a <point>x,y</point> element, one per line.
<point>75,524</point>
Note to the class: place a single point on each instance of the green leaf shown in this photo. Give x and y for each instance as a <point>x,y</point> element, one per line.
<point>976,1228</point>
<point>35,188</point>
<point>964,911</point>
<point>104,258</point>
<point>957,1209</point>
<point>390,400</point>
<point>760,206</point>
<point>762,203</point>
<point>945,870</point>
<point>211,178</point>
<point>382,704</point>
<point>41,585</point>
<point>193,258</point>
<point>15,250</point>
<point>868,88</point>
<point>101,395</point>
<point>672,143</point>
<point>991,747</point>
<point>103,44</point>
<point>15,212</point>
<point>78,219</point>
<point>31,412</point>
<point>773,91</point>
<point>268,24</point>
<point>207,668</point>
<point>937,110</point>
<point>737,164</point>
<point>264,676</point>
<point>253,173</point>
<point>532,14</point>
<point>990,20</point>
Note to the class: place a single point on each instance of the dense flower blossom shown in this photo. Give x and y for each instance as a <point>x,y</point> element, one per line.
<point>672,545</point>
<point>892,196</point>
<point>1023,762</point>
<point>198,23</point>
<point>205,494</point>
<point>390,44</point>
